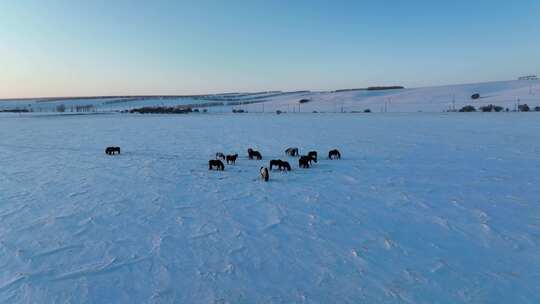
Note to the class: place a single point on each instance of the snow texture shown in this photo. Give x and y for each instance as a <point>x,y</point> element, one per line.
<point>422,208</point>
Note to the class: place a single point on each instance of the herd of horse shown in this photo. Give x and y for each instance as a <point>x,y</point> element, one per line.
<point>304,161</point>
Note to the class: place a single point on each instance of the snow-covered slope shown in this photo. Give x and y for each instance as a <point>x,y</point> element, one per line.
<point>430,99</point>
<point>422,208</point>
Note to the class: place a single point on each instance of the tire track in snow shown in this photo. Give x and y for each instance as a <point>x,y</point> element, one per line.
<point>56,251</point>
<point>100,269</point>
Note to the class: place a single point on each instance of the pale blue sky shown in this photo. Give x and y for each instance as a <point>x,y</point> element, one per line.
<point>59,48</point>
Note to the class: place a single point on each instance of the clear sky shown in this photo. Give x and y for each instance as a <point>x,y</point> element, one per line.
<point>98,47</point>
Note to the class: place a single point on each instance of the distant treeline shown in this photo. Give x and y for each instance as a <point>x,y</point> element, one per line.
<point>378,88</point>
<point>385,88</point>
<point>162,110</point>
<point>493,108</point>
<point>14,110</point>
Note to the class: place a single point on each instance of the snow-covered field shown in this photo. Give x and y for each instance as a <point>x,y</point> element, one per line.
<point>422,208</point>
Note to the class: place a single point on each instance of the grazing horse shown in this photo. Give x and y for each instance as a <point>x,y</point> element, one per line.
<point>285,166</point>
<point>282,165</point>
<point>231,159</point>
<point>112,150</point>
<point>310,158</point>
<point>303,162</point>
<point>274,162</point>
<point>313,154</point>
<point>306,158</point>
<point>254,154</point>
<point>220,155</point>
<point>334,154</point>
<point>216,163</point>
<point>265,176</point>
<point>291,151</point>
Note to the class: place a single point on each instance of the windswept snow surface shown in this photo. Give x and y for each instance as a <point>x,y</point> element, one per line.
<point>422,208</point>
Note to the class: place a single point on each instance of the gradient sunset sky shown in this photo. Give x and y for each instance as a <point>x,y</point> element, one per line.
<point>86,48</point>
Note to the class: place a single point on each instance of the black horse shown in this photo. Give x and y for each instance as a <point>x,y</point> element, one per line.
<point>334,154</point>
<point>285,166</point>
<point>313,154</point>
<point>220,155</point>
<point>282,165</point>
<point>254,154</point>
<point>231,159</point>
<point>306,159</point>
<point>216,163</point>
<point>112,150</point>
<point>310,158</point>
<point>303,161</point>
<point>291,151</point>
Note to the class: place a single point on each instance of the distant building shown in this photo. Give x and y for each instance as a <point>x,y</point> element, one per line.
<point>530,77</point>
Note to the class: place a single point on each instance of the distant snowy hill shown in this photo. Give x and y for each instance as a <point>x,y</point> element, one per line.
<point>429,99</point>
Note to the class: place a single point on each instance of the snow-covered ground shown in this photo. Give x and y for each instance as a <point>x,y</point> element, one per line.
<point>422,208</point>
<point>429,99</point>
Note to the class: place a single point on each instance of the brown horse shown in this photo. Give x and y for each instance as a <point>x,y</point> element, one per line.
<point>282,165</point>
<point>231,159</point>
<point>254,154</point>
